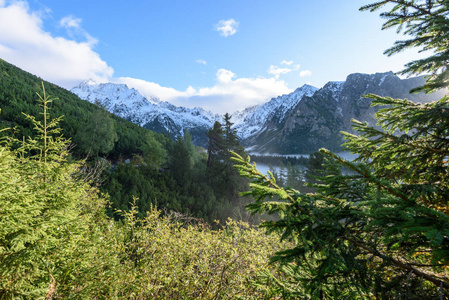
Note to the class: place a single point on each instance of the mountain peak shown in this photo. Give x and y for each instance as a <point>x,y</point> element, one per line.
<point>316,121</point>
<point>306,88</point>
<point>151,113</point>
<point>274,110</point>
<point>87,82</point>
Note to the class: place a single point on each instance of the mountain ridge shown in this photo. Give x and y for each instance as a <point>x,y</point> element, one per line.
<point>153,113</point>
<point>317,120</point>
<point>300,122</point>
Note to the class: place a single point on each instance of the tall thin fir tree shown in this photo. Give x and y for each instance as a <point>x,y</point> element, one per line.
<point>45,210</point>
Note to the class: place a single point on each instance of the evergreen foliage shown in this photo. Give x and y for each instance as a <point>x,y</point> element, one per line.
<point>182,181</point>
<point>221,175</point>
<point>314,166</point>
<point>277,160</point>
<point>98,135</point>
<point>382,230</point>
<point>216,147</point>
<point>139,163</point>
<point>17,96</point>
<point>44,209</point>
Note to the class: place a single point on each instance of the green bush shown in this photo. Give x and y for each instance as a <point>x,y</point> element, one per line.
<point>173,257</point>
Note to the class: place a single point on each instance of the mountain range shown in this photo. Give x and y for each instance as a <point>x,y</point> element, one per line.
<point>316,119</point>
<point>300,122</point>
<point>152,113</point>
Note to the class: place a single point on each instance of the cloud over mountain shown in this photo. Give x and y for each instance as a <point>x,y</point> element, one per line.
<point>228,94</point>
<point>69,57</point>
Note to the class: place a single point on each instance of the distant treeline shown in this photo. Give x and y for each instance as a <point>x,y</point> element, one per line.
<point>278,160</point>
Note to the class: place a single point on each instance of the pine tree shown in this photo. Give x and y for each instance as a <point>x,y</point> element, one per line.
<point>222,177</point>
<point>216,144</point>
<point>314,167</point>
<point>98,135</point>
<point>381,231</point>
<point>230,136</point>
<point>181,161</point>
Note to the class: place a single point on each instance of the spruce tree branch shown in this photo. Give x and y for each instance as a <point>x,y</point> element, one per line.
<point>254,173</point>
<point>412,144</point>
<point>412,5</point>
<point>432,278</point>
<point>376,6</point>
<point>366,175</point>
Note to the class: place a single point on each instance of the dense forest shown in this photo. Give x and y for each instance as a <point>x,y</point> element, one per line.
<point>128,161</point>
<point>92,206</point>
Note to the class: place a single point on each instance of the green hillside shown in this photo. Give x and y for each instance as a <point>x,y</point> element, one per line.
<point>126,160</point>
<point>18,90</point>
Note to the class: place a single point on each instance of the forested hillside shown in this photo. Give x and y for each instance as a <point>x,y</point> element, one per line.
<point>18,95</point>
<point>57,243</point>
<point>129,161</point>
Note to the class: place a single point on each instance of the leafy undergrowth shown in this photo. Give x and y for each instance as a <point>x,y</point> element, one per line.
<point>170,258</point>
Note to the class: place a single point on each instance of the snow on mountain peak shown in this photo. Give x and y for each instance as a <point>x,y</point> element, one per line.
<point>274,110</point>
<point>334,87</point>
<point>131,105</point>
<point>89,81</point>
<point>163,116</point>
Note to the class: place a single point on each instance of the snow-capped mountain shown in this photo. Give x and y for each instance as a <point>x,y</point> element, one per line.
<point>302,121</point>
<point>316,120</point>
<point>152,113</point>
<point>251,120</point>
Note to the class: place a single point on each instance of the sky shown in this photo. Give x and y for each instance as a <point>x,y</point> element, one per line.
<point>222,56</point>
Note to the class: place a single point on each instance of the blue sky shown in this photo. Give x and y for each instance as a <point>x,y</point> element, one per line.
<point>220,55</point>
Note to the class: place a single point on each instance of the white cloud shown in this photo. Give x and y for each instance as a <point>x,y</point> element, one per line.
<point>227,27</point>
<point>277,71</point>
<point>228,94</point>
<point>66,62</point>
<point>201,61</point>
<point>70,22</point>
<point>288,63</point>
<point>225,76</point>
<point>74,29</point>
<point>151,89</point>
<point>305,73</point>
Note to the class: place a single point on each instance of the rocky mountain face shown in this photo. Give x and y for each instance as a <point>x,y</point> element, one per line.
<point>300,122</point>
<point>250,121</point>
<point>153,114</point>
<point>317,119</point>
